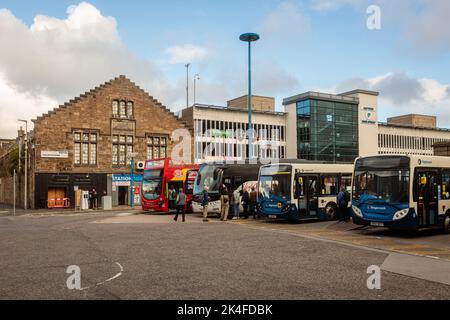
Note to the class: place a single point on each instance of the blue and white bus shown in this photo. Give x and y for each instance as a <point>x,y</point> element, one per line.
<point>299,189</point>
<point>402,192</point>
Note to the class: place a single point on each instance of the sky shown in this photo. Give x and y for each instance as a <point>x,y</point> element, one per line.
<point>52,51</point>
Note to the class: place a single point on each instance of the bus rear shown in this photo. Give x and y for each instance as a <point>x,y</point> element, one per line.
<point>381,192</point>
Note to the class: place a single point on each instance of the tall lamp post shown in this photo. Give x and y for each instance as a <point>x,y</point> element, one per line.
<point>196,78</point>
<point>26,164</point>
<point>187,84</point>
<point>132,156</point>
<point>249,37</point>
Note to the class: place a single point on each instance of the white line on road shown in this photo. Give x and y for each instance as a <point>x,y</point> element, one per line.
<point>107,280</point>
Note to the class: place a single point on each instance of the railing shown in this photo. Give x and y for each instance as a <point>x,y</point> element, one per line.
<point>58,203</point>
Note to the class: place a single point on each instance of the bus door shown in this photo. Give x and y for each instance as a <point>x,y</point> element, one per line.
<point>308,199</point>
<point>427,200</point>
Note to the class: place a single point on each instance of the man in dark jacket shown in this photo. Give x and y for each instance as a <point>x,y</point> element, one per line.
<point>205,202</point>
<point>342,205</point>
<point>245,202</point>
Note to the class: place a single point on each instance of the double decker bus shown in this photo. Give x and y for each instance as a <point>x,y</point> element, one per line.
<point>160,176</point>
<point>301,189</point>
<point>402,192</point>
<point>235,175</point>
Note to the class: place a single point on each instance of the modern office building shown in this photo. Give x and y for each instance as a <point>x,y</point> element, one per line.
<point>340,127</point>
<point>220,132</point>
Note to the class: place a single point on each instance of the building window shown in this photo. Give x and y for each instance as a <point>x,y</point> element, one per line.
<point>122,148</point>
<point>115,108</point>
<point>157,146</point>
<point>130,109</point>
<point>85,148</point>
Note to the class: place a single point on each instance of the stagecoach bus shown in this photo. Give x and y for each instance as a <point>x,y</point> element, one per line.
<point>402,192</point>
<point>300,189</point>
<point>234,175</point>
<point>160,176</point>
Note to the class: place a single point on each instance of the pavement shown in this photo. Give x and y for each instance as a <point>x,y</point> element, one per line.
<point>124,255</point>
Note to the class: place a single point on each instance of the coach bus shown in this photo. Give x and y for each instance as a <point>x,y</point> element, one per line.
<point>299,189</point>
<point>402,192</point>
<point>236,176</point>
<point>160,176</point>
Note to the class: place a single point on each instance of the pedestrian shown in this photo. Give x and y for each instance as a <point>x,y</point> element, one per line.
<point>231,197</point>
<point>245,202</point>
<point>342,203</point>
<point>237,203</point>
<point>93,197</point>
<point>181,205</point>
<point>172,199</point>
<point>224,203</point>
<point>205,202</point>
<point>253,197</point>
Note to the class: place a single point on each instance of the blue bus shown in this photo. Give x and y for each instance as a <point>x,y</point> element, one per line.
<point>299,189</point>
<point>402,192</point>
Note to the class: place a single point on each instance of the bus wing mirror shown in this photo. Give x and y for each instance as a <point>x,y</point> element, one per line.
<point>216,174</point>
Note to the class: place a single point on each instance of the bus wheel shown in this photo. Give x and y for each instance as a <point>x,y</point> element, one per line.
<point>447,224</point>
<point>331,211</point>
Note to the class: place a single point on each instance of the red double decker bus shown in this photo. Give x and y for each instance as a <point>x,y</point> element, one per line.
<point>160,176</point>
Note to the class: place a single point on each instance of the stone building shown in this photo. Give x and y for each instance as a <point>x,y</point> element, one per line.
<point>88,143</point>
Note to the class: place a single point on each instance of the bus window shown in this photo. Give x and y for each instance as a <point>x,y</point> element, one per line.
<point>329,185</point>
<point>445,187</point>
<point>346,182</point>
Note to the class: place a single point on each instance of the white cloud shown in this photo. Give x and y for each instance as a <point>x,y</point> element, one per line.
<point>187,53</point>
<point>57,59</point>
<point>402,93</point>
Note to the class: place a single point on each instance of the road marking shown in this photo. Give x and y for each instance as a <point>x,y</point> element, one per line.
<point>107,280</point>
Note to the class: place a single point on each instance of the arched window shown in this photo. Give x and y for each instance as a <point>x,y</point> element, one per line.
<point>130,109</point>
<point>123,110</point>
<point>115,108</point>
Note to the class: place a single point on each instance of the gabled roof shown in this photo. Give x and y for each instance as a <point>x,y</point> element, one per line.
<point>96,90</point>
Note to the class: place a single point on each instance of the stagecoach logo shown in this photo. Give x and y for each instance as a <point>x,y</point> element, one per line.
<point>279,205</point>
<point>376,208</point>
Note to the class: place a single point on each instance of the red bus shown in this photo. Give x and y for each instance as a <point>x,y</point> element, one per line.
<point>160,176</point>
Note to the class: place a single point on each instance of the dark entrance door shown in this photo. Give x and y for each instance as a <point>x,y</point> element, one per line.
<point>123,196</point>
<point>308,200</point>
<point>427,201</point>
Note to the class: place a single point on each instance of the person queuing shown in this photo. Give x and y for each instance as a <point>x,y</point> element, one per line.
<point>253,197</point>
<point>245,202</point>
<point>224,203</point>
<point>181,205</point>
<point>93,199</point>
<point>205,202</point>
<point>342,200</point>
<point>237,203</point>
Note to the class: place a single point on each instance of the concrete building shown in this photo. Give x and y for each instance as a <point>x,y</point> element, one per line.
<point>220,132</point>
<point>88,143</point>
<point>442,149</point>
<point>340,127</point>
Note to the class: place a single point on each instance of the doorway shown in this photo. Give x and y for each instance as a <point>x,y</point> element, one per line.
<point>427,201</point>
<point>308,200</point>
<point>123,196</point>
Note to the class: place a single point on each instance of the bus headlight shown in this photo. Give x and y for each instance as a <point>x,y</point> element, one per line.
<point>357,211</point>
<point>400,214</point>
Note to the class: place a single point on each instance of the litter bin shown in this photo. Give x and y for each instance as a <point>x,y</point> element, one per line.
<point>107,202</point>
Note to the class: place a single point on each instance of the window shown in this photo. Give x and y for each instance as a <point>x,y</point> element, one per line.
<point>329,185</point>
<point>157,146</point>
<point>122,110</point>
<point>122,148</point>
<point>85,148</point>
<point>130,109</point>
<point>445,188</point>
<point>115,108</point>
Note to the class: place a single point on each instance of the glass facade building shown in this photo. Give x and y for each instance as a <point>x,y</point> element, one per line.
<point>327,130</point>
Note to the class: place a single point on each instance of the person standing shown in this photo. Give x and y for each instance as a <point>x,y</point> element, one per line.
<point>172,199</point>
<point>245,202</point>
<point>237,202</point>
<point>94,199</point>
<point>342,205</point>
<point>205,202</point>
<point>181,205</point>
<point>253,197</point>
<point>224,204</point>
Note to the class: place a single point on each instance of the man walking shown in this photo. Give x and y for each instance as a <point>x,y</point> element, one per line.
<point>237,203</point>
<point>205,202</point>
<point>224,204</point>
<point>181,205</point>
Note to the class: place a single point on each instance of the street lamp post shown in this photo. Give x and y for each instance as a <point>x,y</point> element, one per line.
<point>26,164</point>
<point>196,78</point>
<point>187,84</point>
<point>249,37</point>
<point>132,156</point>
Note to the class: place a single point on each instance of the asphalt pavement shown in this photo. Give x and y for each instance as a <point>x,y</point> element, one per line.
<point>122,255</point>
